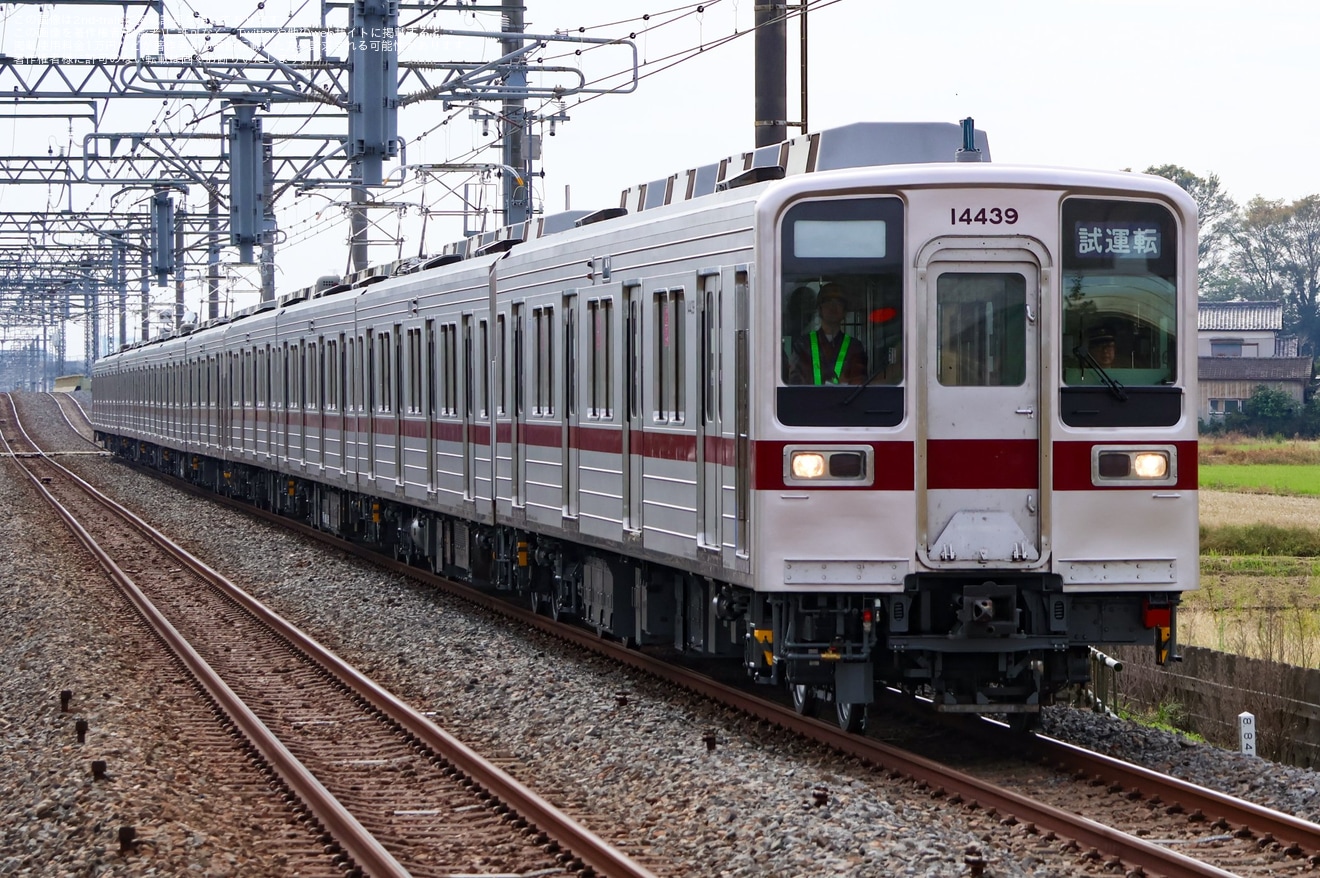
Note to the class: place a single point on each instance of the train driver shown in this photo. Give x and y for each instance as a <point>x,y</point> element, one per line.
<point>828,355</point>
<point>1102,347</point>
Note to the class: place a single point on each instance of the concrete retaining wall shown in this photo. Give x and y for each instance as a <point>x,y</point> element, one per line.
<point>1207,690</point>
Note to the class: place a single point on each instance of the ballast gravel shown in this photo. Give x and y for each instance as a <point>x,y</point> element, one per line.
<point>747,808</point>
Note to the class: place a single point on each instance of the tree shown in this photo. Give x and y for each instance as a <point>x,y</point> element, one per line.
<point>1216,215</point>
<point>1277,253</point>
<point>1270,406</point>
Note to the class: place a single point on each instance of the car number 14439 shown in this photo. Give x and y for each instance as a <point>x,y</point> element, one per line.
<point>985,216</point>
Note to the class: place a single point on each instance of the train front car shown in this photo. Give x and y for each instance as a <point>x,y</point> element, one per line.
<point>977,452</point>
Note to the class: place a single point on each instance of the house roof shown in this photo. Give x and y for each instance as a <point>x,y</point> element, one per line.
<point>1254,368</point>
<point>1212,316</point>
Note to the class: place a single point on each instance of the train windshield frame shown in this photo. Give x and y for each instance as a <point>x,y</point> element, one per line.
<point>841,312</point>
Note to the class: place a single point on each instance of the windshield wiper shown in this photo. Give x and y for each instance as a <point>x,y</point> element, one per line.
<point>860,387</point>
<point>1084,356</point>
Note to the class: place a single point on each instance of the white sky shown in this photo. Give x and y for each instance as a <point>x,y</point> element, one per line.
<point>1217,86</point>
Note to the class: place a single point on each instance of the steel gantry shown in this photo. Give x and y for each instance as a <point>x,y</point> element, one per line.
<point>289,115</point>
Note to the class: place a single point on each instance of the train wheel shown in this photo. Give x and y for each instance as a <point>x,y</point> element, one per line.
<point>852,717</point>
<point>804,699</point>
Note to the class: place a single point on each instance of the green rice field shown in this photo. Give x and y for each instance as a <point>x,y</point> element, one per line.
<point>1266,478</point>
<point>1260,565</point>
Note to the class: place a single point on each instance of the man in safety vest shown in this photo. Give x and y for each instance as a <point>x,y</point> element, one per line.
<point>828,355</point>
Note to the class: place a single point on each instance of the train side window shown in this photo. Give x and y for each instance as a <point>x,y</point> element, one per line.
<point>469,389</point>
<point>414,371</point>
<point>429,367</point>
<point>449,370</point>
<point>386,373</point>
<point>519,366</point>
<point>600,359</point>
<point>543,361</point>
<point>570,357</point>
<point>633,356</point>
<point>483,329</point>
<point>669,350</point>
<point>710,356</point>
<point>501,358</point>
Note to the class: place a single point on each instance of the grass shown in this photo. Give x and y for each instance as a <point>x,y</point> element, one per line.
<point>1270,478</point>
<point>1260,551</point>
<point>1239,450</point>
<point>1285,467</point>
<point>1260,586</point>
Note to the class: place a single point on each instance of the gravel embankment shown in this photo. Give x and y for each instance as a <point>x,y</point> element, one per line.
<point>745,809</point>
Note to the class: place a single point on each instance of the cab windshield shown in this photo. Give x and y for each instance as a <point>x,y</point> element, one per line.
<point>1119,293</point>
<point>841,302</point>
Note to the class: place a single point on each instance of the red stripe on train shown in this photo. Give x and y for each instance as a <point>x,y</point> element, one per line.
<point>982,464</point>
<point>893,461</point>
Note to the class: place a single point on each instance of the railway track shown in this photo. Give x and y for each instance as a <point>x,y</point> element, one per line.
<point>1144,822</point>
<point>74,415</point>
<point>388,792</point>
<point>1191,831</point>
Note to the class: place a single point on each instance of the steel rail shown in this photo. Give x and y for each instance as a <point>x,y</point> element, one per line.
<point>580,842</point>
<point>358,844</point>
<point>1133,850</point>
<point>1282,826</point>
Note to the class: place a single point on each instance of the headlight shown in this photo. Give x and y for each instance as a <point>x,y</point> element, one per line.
<point>1151,465</point>
<point>807,465</point>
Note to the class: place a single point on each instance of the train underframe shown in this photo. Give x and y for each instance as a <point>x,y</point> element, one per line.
<point>988,642</point>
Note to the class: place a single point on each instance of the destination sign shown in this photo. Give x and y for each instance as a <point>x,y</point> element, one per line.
<point>1141,239</point>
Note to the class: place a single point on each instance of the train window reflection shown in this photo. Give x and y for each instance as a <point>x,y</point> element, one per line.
<point>841,300</point>
<point>1119,293</point>
<point>982,329</point>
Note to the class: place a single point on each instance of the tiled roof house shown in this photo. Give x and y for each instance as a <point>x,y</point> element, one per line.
<point>1241,346</point>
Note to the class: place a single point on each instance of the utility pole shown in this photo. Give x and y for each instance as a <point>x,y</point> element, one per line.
<point>213,252</point>
<point>373,111</point>
<point>771,72</point>
<point>517,203</point>
<point>179,218</point>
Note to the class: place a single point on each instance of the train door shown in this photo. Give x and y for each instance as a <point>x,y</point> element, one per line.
<point>268,361</point>
<point>633,308</point>
<point>709,422</point>
<point>979,452</point>
<point>395,403</point>
<point>352,375</point>
<point>302,353</point>
<point>288,398</point>
<point>742,448</point>
<point>324,398</point>
<point>369,404</point>
<point>517,457</point>
<point>430,408</point>
<point>479,443</point>
<point>670,485</point>
<point>570,450</point>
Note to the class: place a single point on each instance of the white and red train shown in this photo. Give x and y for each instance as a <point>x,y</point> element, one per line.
<point>611,415</point>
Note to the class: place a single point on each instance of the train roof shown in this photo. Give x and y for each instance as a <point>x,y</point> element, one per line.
<point>859,145</point>
<point>943,147</point>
